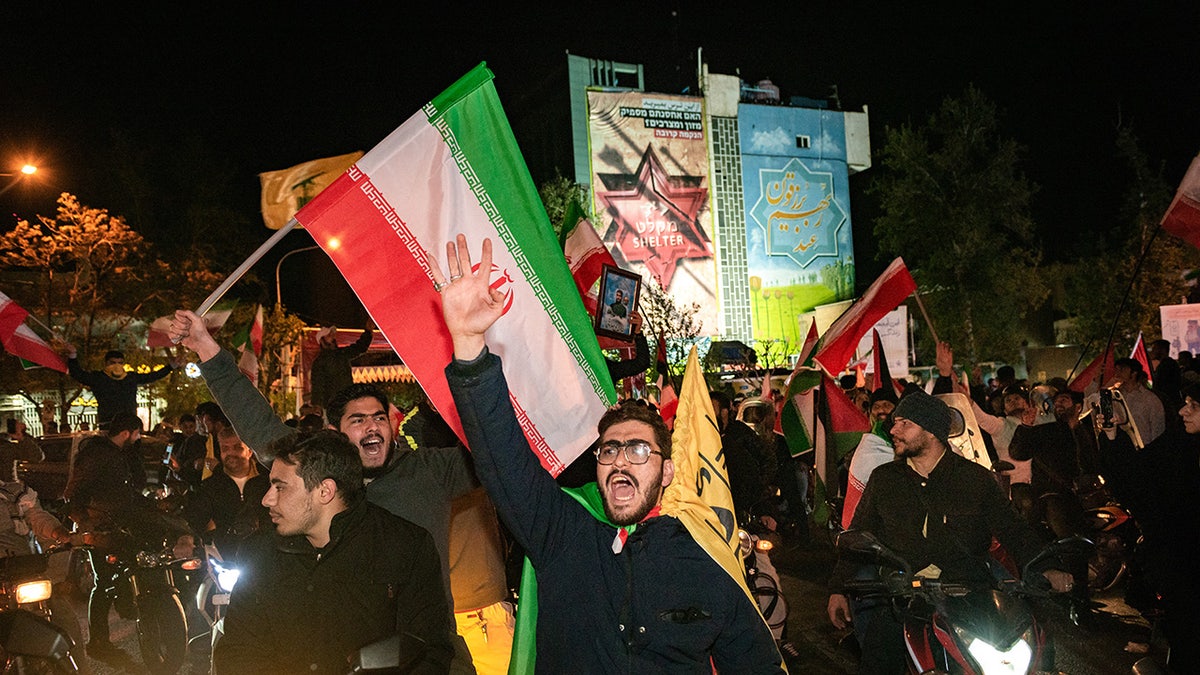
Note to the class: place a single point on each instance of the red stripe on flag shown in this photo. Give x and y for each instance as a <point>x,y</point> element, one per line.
<point>536,440</point>
<point>354,213</point>
<point>839,342</point>
<point>12,316</point>
<point>1182,218</point>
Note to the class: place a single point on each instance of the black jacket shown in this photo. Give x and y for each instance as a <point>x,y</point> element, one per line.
<point>947,519</point>
<point>297,609</point>
<point>235,514</point>
<point>661,604</point>
<point>113,396</point>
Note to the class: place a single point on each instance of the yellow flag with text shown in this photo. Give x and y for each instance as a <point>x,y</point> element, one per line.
<point>699,496</point>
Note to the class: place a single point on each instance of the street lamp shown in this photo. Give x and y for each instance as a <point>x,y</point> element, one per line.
<point>27,170</point>
<point>278,296</point>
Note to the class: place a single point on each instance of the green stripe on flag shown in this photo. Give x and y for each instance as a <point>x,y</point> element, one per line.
<point>493,167</point>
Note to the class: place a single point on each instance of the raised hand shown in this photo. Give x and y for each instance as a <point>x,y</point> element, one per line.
<point>945,359</point>
<point>469,304</point>
<point>188,329</point>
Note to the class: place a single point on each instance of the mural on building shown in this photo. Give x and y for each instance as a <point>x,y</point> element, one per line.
<point>651,191</point>
<point>799,245</point>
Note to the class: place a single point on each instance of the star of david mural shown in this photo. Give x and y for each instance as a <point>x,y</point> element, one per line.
<point>656,216</point>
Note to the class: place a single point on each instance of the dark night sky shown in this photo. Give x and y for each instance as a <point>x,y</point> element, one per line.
<point>263,87</point>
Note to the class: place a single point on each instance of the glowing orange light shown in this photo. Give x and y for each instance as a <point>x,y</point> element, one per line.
<point>334,243</point>
<point>28,169</point>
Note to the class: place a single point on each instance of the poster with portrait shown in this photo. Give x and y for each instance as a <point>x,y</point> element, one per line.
<point>619,292</point>
<point>1181,327</point>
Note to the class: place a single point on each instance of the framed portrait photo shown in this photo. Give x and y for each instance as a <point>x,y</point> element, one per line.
<point>619,291</point>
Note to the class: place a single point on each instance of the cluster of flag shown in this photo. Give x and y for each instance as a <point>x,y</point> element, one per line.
<point>817,414</point>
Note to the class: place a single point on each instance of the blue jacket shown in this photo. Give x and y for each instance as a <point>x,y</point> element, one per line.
<point>660,605</point>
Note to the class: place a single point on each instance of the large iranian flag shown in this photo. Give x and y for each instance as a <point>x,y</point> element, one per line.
<point>455,168</point>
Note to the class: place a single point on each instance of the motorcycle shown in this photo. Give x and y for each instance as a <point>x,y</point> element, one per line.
<point>146,587</point>
<point>1113,529</point>
<point>30,641</point>
<point>954,627</point>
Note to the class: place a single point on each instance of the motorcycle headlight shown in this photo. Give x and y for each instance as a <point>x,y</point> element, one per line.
<point>226,577</point>
<point>1015,659</point>
<point>33,591</point>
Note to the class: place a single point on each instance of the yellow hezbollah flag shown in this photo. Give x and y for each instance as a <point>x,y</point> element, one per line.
<point>285,191</point>
<point>699,496</point>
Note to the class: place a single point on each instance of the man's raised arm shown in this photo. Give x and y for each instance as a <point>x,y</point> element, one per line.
<point>249,413</point>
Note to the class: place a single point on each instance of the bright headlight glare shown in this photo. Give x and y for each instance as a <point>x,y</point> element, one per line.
<point>227,578</point>
<point>33,591</point>
<point>992,660</point>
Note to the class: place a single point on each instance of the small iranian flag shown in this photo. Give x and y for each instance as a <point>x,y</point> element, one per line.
<point>885,294</point>
<point>20,340</point>
<point>455,168</point>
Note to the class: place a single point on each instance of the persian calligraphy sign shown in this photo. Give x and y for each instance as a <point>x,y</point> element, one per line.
<point>799,244</point>
<point>798,212</point>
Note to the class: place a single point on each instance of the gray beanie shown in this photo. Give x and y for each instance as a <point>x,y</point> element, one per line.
<point>927,412</point>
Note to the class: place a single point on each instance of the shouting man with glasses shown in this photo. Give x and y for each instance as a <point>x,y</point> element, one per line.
<point>629,592</point>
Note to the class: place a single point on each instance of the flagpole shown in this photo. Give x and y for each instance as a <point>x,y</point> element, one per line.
<point>38,321</point>
<point>241,270</point>
<point>245,267</point>
<point>925,314</point>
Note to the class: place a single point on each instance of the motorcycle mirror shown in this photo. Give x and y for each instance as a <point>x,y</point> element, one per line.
<point>1073,547</point>
<point>864,544</point>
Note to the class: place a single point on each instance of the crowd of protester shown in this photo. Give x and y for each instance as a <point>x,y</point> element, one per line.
<point>308,500</point>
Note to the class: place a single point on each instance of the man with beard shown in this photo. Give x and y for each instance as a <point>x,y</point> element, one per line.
<point>938,511</point>
<point>632,594</point>
<point>228,506</point>
<point>337,574</point>
<point>418,486</point>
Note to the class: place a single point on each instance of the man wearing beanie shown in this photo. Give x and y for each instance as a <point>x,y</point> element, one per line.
<point>939,512</point>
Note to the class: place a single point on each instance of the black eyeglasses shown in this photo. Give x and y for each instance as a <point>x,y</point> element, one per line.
<point>636,451</point>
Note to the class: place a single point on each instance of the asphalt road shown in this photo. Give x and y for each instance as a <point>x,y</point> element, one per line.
<point>820,649</point>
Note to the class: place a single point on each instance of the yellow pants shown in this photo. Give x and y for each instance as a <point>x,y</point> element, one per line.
<point>488,633</point>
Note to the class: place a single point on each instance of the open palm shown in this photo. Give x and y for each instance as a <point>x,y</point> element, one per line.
<point>469,304</point>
